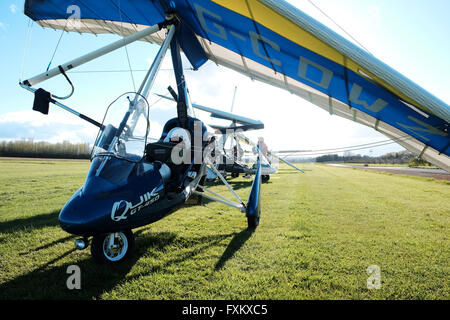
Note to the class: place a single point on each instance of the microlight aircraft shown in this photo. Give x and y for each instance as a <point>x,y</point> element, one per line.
<point>132,183</point>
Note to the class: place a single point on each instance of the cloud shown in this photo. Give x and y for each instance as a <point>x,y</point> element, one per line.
<point>13,8</point>
<point>52,128</point>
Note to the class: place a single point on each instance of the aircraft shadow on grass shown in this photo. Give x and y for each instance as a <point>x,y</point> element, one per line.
<point>289,172</point>
<point>34,222</point>
<point>236,243</point>
<point>236,185</point>
<point>49,281</point>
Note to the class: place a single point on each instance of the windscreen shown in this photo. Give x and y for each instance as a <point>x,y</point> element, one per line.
<point>124,130</point>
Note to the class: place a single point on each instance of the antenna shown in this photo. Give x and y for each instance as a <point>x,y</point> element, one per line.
<point>233,139</point>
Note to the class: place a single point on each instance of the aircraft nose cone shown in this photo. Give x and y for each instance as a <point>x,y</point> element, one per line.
<point>80,216</point>
<point>84,215</point>
<point>69,217</point>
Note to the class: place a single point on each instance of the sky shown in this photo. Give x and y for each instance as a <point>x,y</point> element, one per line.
<point>412,36</point>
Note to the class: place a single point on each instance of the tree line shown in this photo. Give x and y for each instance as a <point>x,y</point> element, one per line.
<point>403,157</point>
<point>29,148</point>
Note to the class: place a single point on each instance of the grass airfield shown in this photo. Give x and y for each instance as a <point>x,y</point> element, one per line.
<point>319,233</point>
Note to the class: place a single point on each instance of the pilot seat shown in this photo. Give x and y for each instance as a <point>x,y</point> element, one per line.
<point>172,154</point>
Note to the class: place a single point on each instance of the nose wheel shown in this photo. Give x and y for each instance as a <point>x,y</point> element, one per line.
<point>112,248</point>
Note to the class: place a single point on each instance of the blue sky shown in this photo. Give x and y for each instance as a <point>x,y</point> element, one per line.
<point>412,36</point>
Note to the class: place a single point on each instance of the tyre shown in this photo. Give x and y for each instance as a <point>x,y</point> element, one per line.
<point>112,248</point>
<point>253,222</point>
<point>265,179</point>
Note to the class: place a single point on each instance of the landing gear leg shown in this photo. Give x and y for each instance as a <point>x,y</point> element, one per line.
<point>199,197</point>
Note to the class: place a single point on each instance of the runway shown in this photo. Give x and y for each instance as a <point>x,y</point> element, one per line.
<point>438,174</point>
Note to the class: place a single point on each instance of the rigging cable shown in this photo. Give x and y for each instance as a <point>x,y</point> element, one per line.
<point>355,146</point>
<point>57,45</point>
<point>131,71</point>
<point>60,68</point>
<point>337,24</point>
<point>126,50</point>
<point>26,47</point>
<point>341,151</point>
<point>362,146</point>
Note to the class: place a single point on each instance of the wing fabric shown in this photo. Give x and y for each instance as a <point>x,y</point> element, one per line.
<point>278,44</point>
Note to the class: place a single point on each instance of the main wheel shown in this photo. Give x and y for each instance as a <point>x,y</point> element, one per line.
<point>253,222</point>
<point>265,178</point>
<point>112,248</point>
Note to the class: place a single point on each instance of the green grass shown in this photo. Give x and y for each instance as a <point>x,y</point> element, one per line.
<point>319,232</point>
